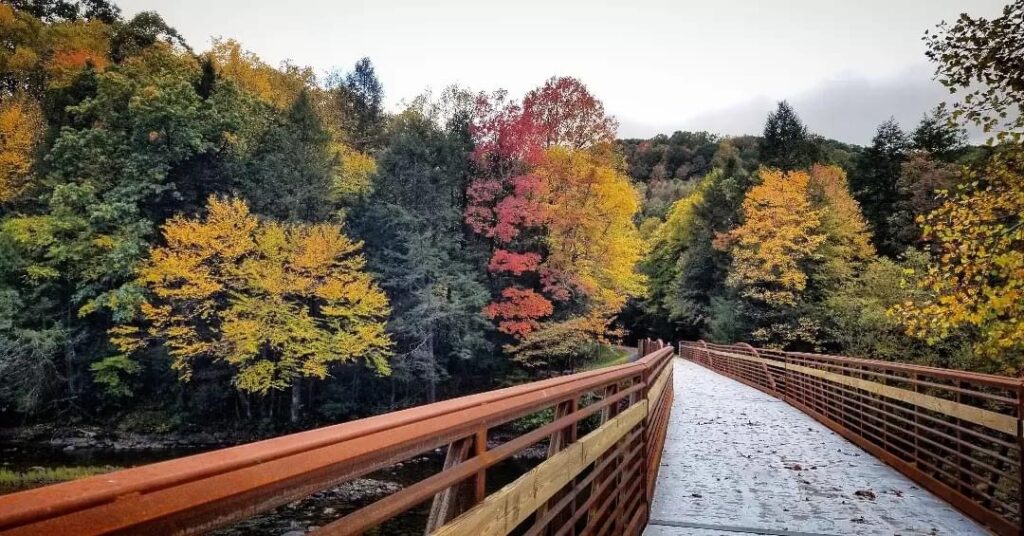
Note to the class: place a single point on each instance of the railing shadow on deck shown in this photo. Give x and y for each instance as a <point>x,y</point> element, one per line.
<point>603,453</point>
<point>957,434</point>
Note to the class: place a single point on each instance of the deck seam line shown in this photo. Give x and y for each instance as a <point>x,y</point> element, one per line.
<point>731,528</point>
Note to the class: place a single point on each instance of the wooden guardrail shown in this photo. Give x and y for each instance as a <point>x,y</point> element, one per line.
<point>958,434</point>
<point>603,451</point>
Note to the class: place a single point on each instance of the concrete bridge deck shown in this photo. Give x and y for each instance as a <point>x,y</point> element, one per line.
<point>738,461</point>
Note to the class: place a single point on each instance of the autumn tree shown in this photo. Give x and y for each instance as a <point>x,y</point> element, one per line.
<point>278,87</point>
<point>772,250</point>
<point>111,176</point>
<point>568,115</point>
<point>21,129</point>
<point>976,49</point>
<point>277,302</point>
<point>504,206</point>
<point>801,237</point>
<point>592,242</point>
<point>847,240</point>
<point>558,210</point>
<point>977,278</point>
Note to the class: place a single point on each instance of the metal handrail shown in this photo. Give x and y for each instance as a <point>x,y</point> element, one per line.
<point>957,433</point>
<point>201,492</point>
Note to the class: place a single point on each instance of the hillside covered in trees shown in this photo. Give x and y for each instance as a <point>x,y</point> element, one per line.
<point>198,236</point>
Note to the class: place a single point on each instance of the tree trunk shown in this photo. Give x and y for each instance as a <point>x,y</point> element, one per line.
<point>244,399</point>
<point>296,399</point>
<point>432,375</point>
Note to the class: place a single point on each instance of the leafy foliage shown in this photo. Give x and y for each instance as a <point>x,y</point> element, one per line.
<point>21,125</point>
<point>978,278</point>
<point>274,301</point>
<point>978,50</point>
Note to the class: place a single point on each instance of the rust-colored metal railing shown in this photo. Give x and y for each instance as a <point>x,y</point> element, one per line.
<point>604,446</point>
<point>958,434</point>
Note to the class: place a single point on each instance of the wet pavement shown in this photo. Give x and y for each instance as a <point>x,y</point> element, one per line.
<point>738,461</point>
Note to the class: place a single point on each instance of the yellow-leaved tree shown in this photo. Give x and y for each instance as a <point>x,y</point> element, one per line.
<point>977,277</point>
<point>592,241</point>
<point>593,247</point>
<point>277,302</point>
<point>802,236</point>
<point>847,243</point>
<point>779,235</point>
<point>21,128</point>
<point>277,87</point>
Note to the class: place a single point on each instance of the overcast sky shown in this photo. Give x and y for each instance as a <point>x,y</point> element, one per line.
<point>716,65</point>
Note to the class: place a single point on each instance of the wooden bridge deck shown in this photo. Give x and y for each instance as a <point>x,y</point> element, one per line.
<point>738,461</point>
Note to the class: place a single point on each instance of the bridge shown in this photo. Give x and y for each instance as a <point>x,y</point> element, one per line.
<point>705,441</point>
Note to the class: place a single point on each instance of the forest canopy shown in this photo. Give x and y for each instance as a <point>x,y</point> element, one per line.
<point>204,236</point>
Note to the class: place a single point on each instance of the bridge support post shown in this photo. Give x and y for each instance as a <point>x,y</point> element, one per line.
<point>451,502</point>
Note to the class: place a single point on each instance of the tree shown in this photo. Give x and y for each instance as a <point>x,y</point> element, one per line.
<point>592,242</point>
<point>669,242</point>
<point>874,183</point>
<point>802,237</point>
<point>360,102</point>
<point>415,242</point>
<point>847,244</point>
<point>277,87</point>
<point>70,11</point>
<point>112,174</point>
<point>776,240</point>
<point>568,115</point>
<point>698,292</point>
<point>277,302</point>
<point>21,129</point>
<point>938,135</point>
<point>977,278</point>
<point>919,191</point>
<point>291,173</point>
<point>560,218</point>
<point>785,144</point>
<point>144,30</point>
<point>981,58</point>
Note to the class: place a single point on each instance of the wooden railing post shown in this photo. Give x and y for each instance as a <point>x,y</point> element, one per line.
<point>448,504</point>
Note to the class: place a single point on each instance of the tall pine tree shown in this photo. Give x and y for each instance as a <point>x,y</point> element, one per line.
<point>786,144</point>
<point>875,183</point>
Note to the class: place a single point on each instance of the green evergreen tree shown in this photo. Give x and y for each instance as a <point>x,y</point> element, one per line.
<point>939,135</point>
<point>431,270</point>
<point>289,176</point>
<point>786,144</point>
<point>874,184</point>
<point>360,97</point>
